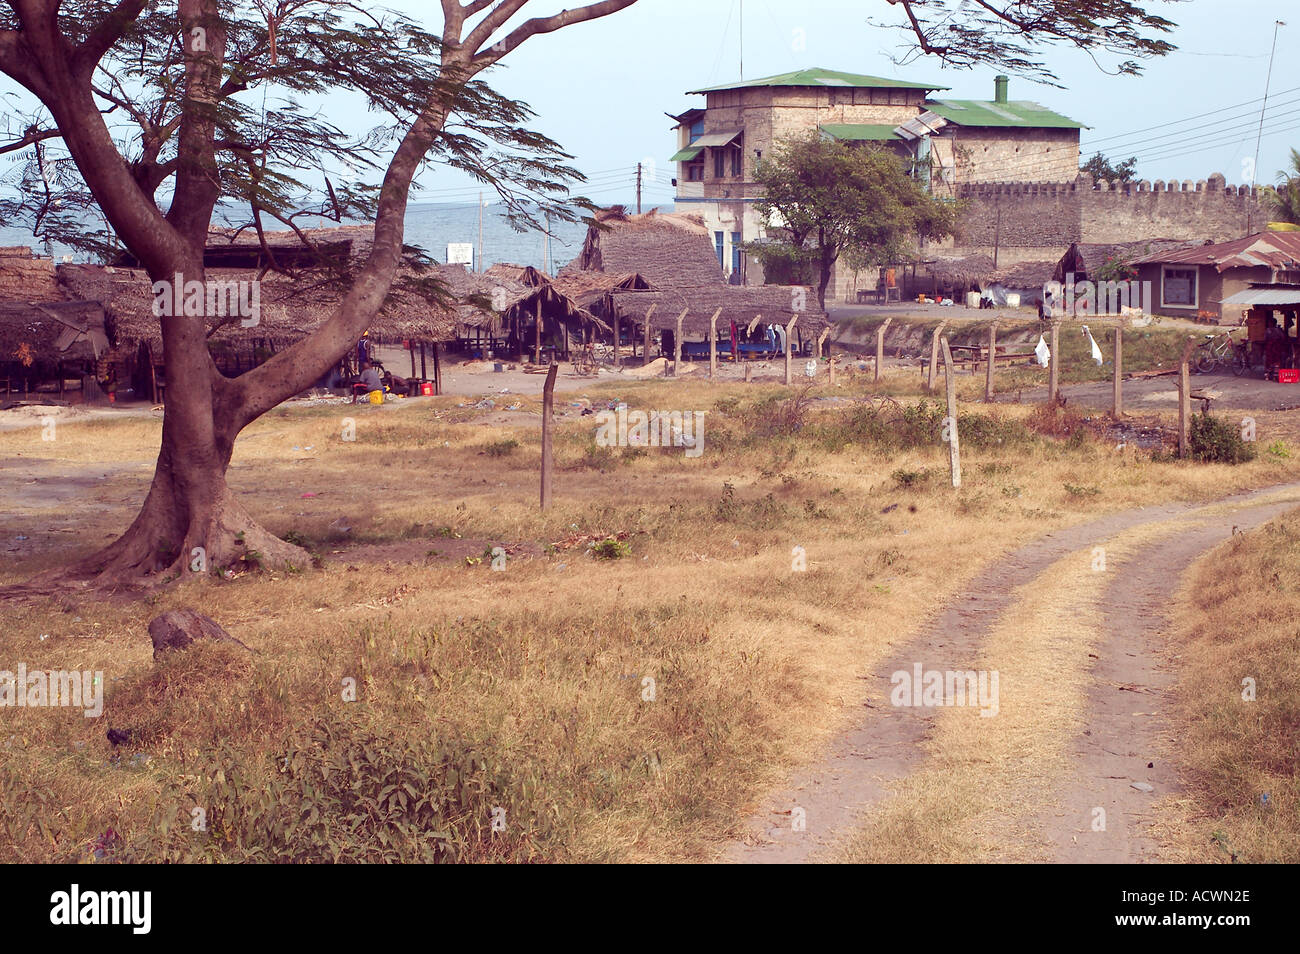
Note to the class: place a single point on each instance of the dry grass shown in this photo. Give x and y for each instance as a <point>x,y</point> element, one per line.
<point>540,666</point>
<point>1238,621</point>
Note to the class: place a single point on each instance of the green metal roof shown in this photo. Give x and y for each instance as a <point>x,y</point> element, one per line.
<point>687,154</point>
<point>859,132</point>
<point>819,77</point>
<point>982,112</point>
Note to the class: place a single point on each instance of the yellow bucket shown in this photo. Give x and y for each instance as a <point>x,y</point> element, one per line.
<point>376,397</point>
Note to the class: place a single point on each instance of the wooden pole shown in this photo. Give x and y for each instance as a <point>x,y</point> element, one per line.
<point>537,335</point>
<point>954,450</point>
<point>548,407</point>
<point>749,372</point>
<point>1185,399</point>
<point>677,342</point>
<point>437,371</point>
<point>880,347</point>
<point>826,333</point>
<point>993,348</point>
<point>1054,370</point>
<point>645,349</point>
<point>713,343</point>
<point>753,324</point>
<point>830,362</point>
<point>1117,407</point>
<point>788,328</point>
<point>934,357</point>
<point>616,341</point>
<point>424,367</point>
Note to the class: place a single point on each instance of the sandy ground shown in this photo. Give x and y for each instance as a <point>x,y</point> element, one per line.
<point>861,767</point>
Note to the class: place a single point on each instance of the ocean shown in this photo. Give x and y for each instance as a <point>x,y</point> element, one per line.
<point>432,226</point>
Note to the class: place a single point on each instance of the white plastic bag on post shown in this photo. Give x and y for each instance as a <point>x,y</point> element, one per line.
<point>1042,352</point>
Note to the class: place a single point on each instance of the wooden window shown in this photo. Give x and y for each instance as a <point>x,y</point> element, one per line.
<point>1178,287</point>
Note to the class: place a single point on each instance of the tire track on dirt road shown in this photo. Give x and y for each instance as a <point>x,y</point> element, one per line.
<point>861,764</point>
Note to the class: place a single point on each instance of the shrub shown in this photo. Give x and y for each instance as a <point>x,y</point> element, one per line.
<point>501,448</point>
<point>611,548</point>
<point>1214,440</point>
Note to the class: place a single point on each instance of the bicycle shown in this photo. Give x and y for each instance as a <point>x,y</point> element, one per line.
<point>585,362</point>
<point>1221,349</point>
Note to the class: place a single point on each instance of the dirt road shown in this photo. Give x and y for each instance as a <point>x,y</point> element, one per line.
<point>1118,763</point>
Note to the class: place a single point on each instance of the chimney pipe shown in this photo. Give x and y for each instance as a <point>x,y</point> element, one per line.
<point>1000,88</point>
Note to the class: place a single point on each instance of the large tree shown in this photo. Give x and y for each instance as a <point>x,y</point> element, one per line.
<point>194,80</point>
<point>1284,200</point>
<point>823,199</point>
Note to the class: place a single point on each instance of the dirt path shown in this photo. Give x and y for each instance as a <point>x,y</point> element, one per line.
<point>828,797</point>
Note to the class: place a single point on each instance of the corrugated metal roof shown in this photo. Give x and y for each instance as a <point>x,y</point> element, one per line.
<point>721,138</point>
<point>1265,296</point>
<point>820,77</point>
<point>1272,249</point>
<point>980,112</point>
<point>687,154</point>
<point>859,132</point>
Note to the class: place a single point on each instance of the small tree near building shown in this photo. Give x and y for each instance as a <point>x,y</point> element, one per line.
<point>824,199</point>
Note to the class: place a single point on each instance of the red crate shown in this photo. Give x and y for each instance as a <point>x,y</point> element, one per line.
<point>1288,375</point>
<point>426,388</point>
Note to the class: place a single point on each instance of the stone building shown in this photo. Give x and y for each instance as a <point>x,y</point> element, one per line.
<point>950,143</point>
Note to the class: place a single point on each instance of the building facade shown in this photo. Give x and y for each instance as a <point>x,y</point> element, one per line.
<point>951,143</point>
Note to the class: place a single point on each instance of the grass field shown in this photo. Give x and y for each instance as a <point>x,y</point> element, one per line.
<point>646,666</point>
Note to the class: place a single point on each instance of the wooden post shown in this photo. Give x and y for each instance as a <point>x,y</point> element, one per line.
<point>749,369</point>
<point>677,342</point>
<point>548,407</point>
<point>788,328</point>
<point>424,367</point>
<point>645,348</point>
<point>993,348</point>
<point>713,343</point>
<point>1054,369</point>
<point>954,450</point>
<point>826,333</point>
<point>830,362</point>
<point>537,335</point>
<point>410,345</point>
<point>437,370</point>
<point>1185,399</point>
<point>753,324</point>
<point>934,357</point>
<point>1117,404</point>
<point>616,341</point>
<point>880,347</point>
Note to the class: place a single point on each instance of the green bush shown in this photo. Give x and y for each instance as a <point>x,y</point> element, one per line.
<point>1214,440</point>
<point>501,448</point>
<point>611,548</point>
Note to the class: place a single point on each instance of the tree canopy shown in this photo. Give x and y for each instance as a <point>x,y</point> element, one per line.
<point>824,199</point>
<point>1099,167</point>
<point>1284,199</point>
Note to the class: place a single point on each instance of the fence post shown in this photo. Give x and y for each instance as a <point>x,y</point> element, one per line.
<point>548,407</point>
<point>950,386</point>
<point>788,329</point>
<point>1054,373</point>
<point>1118,403</point>
<point>880,347</point>
<point>645,346</point>
<point>993,347</point>
<point>1185,399</point>
<point>677,342</point>
<point>713,343</point>
<point>934,356</point>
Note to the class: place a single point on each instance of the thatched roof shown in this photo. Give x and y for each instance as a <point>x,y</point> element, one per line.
<point>961,268</point>
<point>740,303</point>
<point>669,250</point>
<point>24,277</point>
<point>45,332</point>
<point>523,274</point>
<point>588,288</point>
<point>1023,275</point>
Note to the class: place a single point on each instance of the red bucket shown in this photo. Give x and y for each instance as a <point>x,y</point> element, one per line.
<point>426,388</point>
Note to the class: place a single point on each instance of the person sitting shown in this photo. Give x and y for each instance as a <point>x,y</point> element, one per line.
<point>1277,346</point>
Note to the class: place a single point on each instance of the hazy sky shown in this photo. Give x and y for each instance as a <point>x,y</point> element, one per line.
<point>602,88</point>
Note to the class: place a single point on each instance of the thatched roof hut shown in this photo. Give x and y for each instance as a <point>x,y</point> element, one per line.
<point>1025,275</point>
<point>523,274</point>
<point>777,304</point>
<point>962,269</point>
<point>669,250</point>
<point>590,289</point>
<point>42,335</point>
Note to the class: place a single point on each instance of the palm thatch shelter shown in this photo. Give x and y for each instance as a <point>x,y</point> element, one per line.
<point>43,335</point>
<point>1090,261</point>
<point>668,250</point>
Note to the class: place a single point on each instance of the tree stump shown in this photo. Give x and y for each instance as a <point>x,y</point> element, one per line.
<point>177,629</point>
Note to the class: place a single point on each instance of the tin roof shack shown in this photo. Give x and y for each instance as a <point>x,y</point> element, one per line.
<point>1193,282</point>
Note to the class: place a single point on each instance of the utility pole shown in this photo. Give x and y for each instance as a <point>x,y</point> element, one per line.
<point>479,262</point>
<point>1254,169</point>
<point>638,188</point>
<point>742,39</point>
